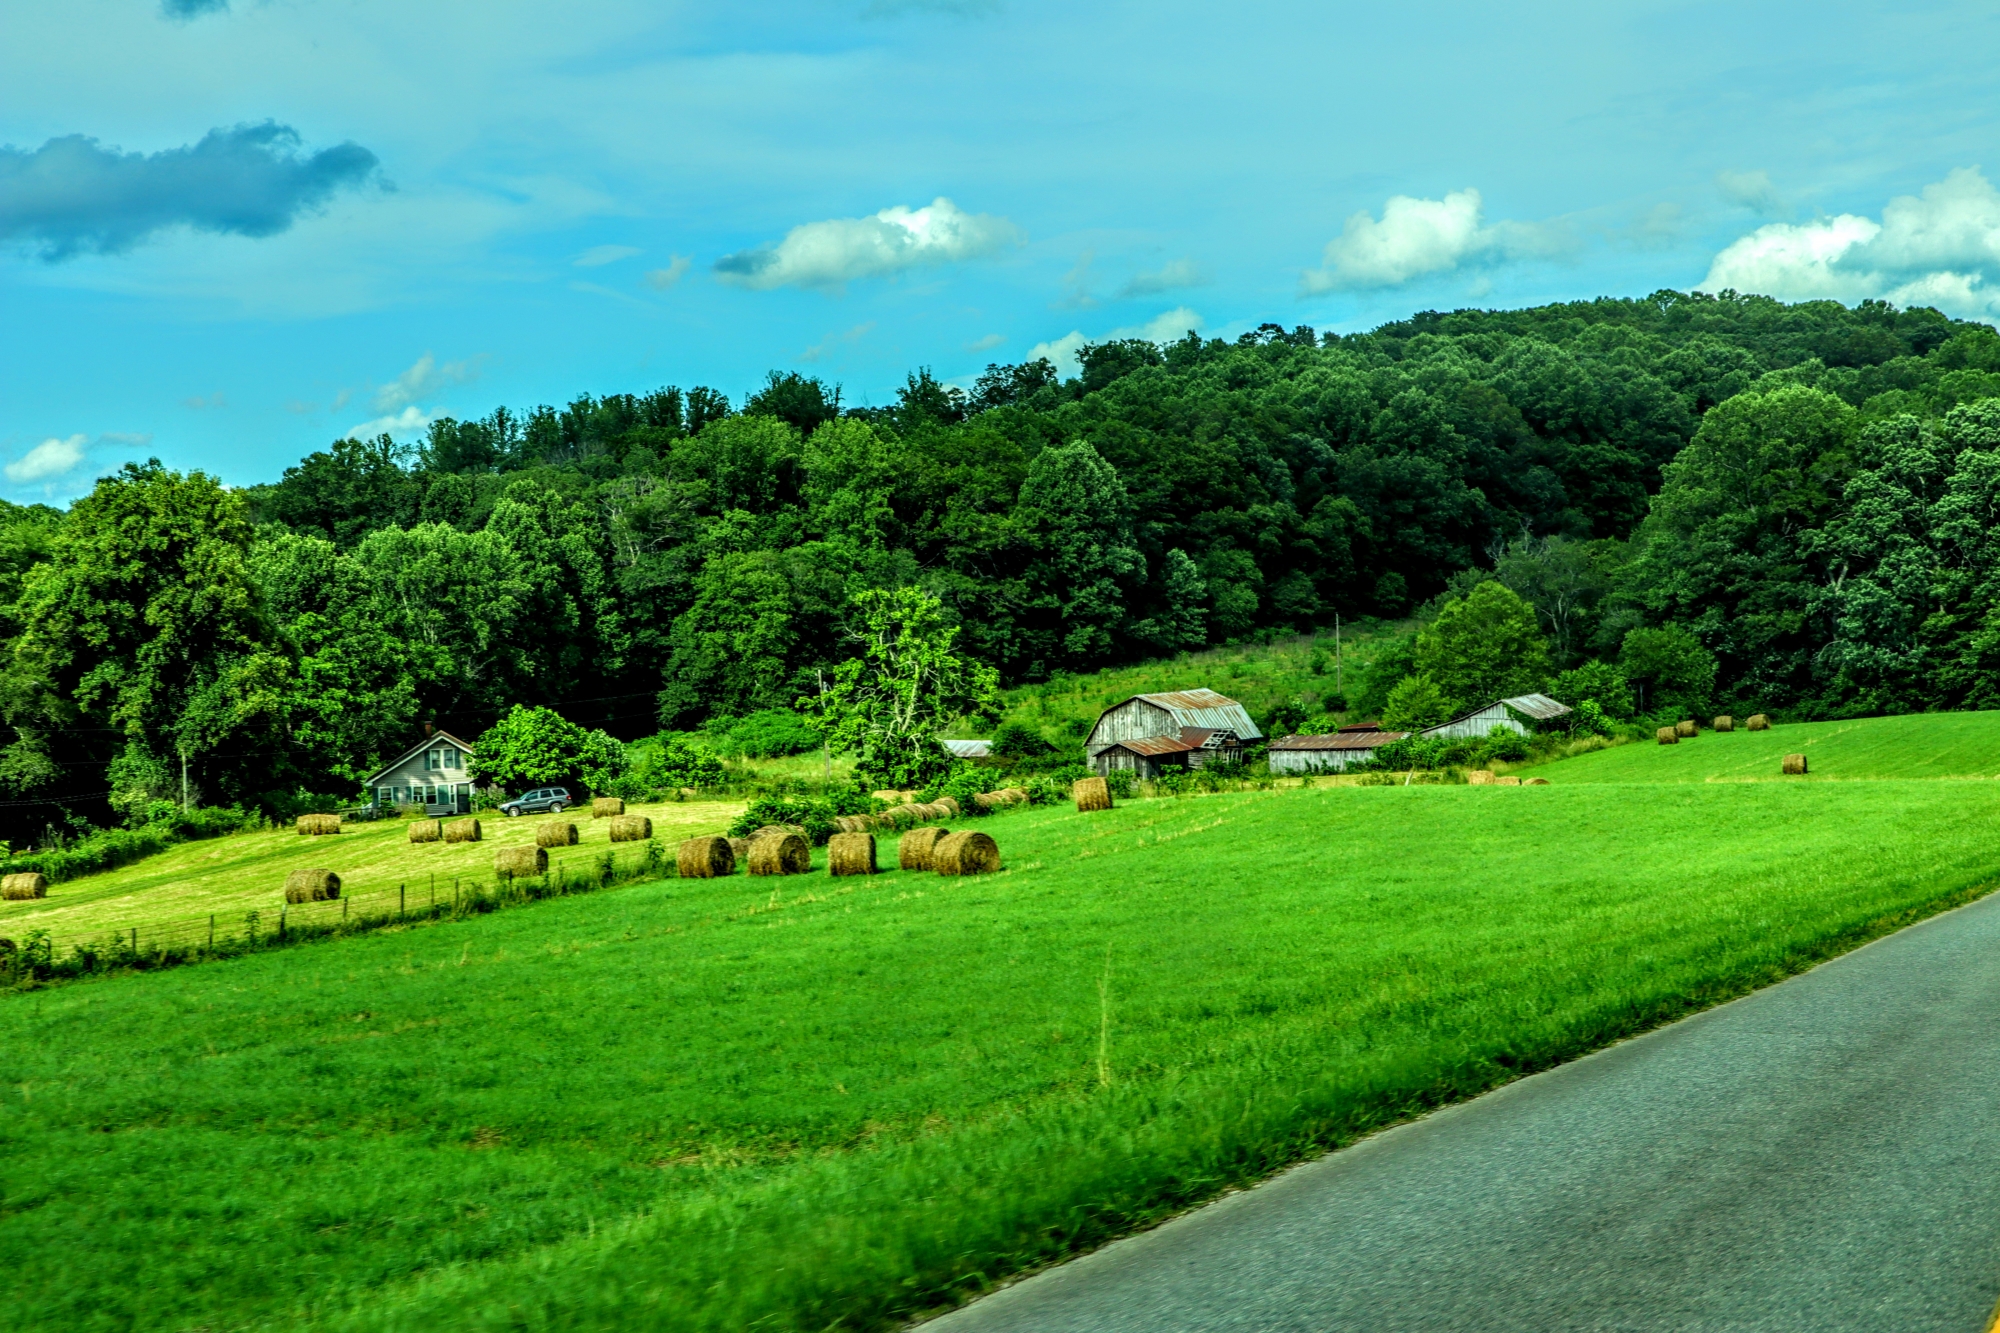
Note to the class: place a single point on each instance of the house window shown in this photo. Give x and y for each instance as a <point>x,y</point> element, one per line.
<point>451,759</point>
<point>386,795</point>
<point>435,759</point>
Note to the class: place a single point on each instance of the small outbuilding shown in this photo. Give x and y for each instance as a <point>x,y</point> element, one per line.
<point>1508,713</point>
<point>968,749</point>
<point>1148,733</point>
<point>435,773</point>
<point>1330,752</point>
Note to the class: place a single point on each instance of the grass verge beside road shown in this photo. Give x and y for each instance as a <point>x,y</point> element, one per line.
<point>812,1103</point>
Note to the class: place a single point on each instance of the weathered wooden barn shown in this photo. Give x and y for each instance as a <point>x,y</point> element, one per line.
<point>1508,713</point>
<point>1329,752</point>
<point>434,773</point>
<point>1148,733</point>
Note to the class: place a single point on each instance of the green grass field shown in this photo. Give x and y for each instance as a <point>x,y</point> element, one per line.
<point>173,893</point>
<point>814,1103</point>
<point>1918,745</point>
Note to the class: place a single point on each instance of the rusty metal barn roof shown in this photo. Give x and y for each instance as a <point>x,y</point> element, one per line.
<point>1339,740</point>
<point>1152,745</point>
<point>1538,706</point>
<point>1204,708</point>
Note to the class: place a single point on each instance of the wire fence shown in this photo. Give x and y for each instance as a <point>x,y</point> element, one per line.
<point>42,955</point>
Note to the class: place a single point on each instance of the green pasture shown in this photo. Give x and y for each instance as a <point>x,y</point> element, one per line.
<point>812,1103</point>
<point>1916,745</point>
<point>177,890</point>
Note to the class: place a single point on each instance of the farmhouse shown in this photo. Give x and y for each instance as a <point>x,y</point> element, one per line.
<point>1507,713</point>
<point>432,773</point>
<point>1330,752</point>
<point>1185,729</point>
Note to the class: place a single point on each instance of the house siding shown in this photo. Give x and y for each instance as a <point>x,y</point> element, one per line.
<point>434,776</point>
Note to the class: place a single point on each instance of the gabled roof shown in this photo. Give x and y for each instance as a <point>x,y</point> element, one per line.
<point>424,744</point>
<point>1344,739</point>
<point>1153,745</point>
<point>1538,706</point>
<point>1201,708</point>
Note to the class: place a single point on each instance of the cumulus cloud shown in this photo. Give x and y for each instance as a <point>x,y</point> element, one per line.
<point>1170,326</point>
<point>1750,189</point>
<point>409,421</point>
<point>1169,277</point>
<point>833,342</point>
<point>597,256</point>
<point>1415,237</point>
<point>74,196</point>
<point>986,344</point>
<point>51,458</point>
<point>838,251</point>
<point>200,401</point>
<point>1941,248</point>
<point>396,401</point>
<point>660,279</point>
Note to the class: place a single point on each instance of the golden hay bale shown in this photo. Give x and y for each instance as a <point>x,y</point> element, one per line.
<point>312,826</point>
<point>1724,722</point>
<point>1685,728</point>
<point>895,797</point>
<point>850,854</point>
<point>1534,782</point>
<point>949,805</point>
<point>969,852</point>
<point>462,830</point>
<point>1795,763</point>
<point>1508,781</point>
<point>991,800</point>
<point>1667,736</point>
<point>741,848</point>
<point>1479,777</point>
<point>520,862</point>
<point>631,828</point>
<point>914,851</point>
<point>555,833</point>
<point>780,854</point>
<point>706,858</point>
<point>855,823</point>
<point>1091,794</point>
<point>1015,795</point>
<point>426,830</point>
<point>311,886</point>
<point>1757,722</point>
<point>779,830</point>
<point>19,888</point>
<point>604,807</point>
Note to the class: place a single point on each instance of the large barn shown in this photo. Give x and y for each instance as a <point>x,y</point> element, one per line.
<point>1479,723</point>
<point>1152,732</point>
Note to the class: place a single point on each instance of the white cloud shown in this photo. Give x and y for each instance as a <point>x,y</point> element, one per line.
<point>409,421</point>
<point>986,344</point>
<point>659,279</point>
<point>1170,326</point>
<point>597,256</point>
<point>212,400</point>
<point>833,342</point>
<point>1169,277</point>
<point>841,250</point>
<point>1941,248</point>
<point>422,380</point>
<point>1750,189</point>
<point>51,458</point>
<point>1420,236</point>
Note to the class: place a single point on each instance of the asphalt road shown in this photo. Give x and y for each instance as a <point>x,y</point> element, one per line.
<point>1824,1154</point>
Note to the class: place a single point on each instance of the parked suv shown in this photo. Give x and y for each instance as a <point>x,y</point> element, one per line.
<point>540,801</point>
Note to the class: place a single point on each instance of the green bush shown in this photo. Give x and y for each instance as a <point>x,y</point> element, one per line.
<point>770,733</point>
<point>1017,741</point>
<point>815,814</point>
<point>666,763</point>
<point>107,849</point>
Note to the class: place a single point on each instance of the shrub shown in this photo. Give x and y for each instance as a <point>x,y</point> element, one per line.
<point>814,814</point>
<point>965,782</point>
<point>1016,741</point>
<point>107,849</point>
<point>771,733</point>
<point>666,762</point>
<point>1600,683</point>
<point>1505,744</point>
<point>1121,782</point>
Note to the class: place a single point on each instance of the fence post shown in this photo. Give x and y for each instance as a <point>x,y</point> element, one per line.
<point>343,909</point>
<point>282,912</point>
<point>399,900</point>
<point>211,931</point>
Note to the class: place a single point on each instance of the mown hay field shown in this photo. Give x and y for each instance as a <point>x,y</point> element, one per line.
<point>811,1102</point>
<point>246,872</point>
<point>1916,745</point>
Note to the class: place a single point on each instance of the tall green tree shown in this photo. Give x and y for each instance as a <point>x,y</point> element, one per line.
<point>1483,647</point>
<point>1076,518</point>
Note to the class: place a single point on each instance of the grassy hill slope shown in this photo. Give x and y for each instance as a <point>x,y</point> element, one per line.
<point>791,1103</point>
<point>1917,745</point>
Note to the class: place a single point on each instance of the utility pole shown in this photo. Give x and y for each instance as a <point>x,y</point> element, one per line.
<point>184,782</point>
<point>1338,688</point>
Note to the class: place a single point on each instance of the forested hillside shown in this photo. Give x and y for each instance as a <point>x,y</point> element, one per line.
<point>1808,490</point>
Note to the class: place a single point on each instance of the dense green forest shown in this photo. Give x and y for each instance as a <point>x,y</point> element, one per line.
<point>1808,491</point>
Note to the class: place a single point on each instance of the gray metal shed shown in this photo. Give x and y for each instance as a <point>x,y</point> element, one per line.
<point>1328,752</point>
<point>1500,713</point>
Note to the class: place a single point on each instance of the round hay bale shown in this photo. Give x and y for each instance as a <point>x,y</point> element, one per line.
<point>555,833</point>
<point>1685,728</point>
<point>780,854</point>
<point>312,826</point>
<point>969,852</point>
<point>895,797</point>
<point>1015,795</point>
<point>1667,736</point>
<point>426,830</point>
<point>1479,777</point>
<point>950,806</point>
<point>1508,781</point>
<point>991,800</point>
<point>1534,782</point>
<point>631,828</point>
<point>26,885</point>
<point>1757,722</point>
<point>779,830</point>
<point>605,807</point>
<point>706,858</point>
<point>521,862</point>
<point>740,847</point>
<point>462,830</point>
<point>1723,722</point>
<point>850,854</point>
<point>855,823</point>
<point>311,886</point>
<point>1795,764</point>
<point>914,851</point>
<point>1091,794</point>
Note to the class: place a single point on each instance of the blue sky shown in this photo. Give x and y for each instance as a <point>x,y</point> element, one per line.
<point>231,232</point>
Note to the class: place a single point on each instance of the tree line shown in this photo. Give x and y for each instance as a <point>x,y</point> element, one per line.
<point>1797,490</point>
